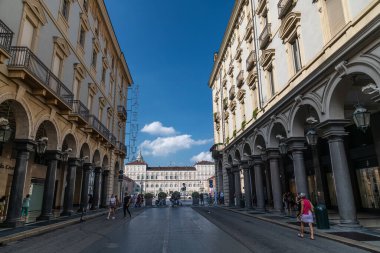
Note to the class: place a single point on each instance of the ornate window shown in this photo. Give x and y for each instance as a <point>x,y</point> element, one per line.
<point>290,33</point>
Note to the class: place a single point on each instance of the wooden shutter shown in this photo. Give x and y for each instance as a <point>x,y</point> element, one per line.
<point>335,15</point>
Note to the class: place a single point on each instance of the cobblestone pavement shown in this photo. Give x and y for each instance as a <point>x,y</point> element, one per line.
<point>175,230</point>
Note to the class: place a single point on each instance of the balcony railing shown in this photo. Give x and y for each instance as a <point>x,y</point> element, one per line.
<point>284,7</point>
<point>251,61</point>
<point>265,36</point>
<point>79,109</point>
<point>22,58</point>
<point>122,112</point>
<point>240,79</point>
<point>95,123</point>
<point>121,148</point>
<point>6,36</point>
<point>112,139</point>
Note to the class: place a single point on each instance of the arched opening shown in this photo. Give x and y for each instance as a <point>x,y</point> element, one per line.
<point>84,157</point>
<point>14,124</point>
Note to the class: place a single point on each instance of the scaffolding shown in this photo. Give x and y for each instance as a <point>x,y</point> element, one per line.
<point>132,124</point>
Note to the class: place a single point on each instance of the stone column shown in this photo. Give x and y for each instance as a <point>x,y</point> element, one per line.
<point>23,148</point>
<point>52,157</point>
<point>334,131</point>
<point>105,175</point>
<point>274,156</point>
<point>259,183</point>
<point>95,202</point>
<point>247,187</point>
<point>237,187</point>
<point>297,146</point>
<point>231,188</point>
<point>72,165</point>
<point>85,182</point>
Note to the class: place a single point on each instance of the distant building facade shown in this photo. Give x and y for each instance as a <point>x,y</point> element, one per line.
<point>171,178</point>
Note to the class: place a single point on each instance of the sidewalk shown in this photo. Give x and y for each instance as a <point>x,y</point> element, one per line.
<point>39,227</point>
<point>366,237</point>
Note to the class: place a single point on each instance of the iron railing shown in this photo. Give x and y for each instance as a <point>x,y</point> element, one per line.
<point>283,7</point>
<point>24,58</point>
<point>6,36</point>
<point>251,60</point>
<point>122,111</point>
<point>80,109</point>
<point>265,36</point>
<point>112,139</point>
<point>95,123</point>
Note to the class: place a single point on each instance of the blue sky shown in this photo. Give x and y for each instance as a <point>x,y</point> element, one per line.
<point>169,47</point>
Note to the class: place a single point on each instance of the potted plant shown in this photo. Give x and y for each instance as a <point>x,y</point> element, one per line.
<point>195,196</point>
<point>162,197</point>
<point>148,199</point>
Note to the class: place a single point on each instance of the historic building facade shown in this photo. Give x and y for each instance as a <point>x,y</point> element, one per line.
<point>295,89</point>
<point>63,94</point>
<point>170,178</point>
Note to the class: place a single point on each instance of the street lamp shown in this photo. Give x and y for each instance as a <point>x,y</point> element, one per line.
<point>361,117</point>
<point>311,137</point>
<point>41,145</point>
<point>5,130</point>
<point>263,153</point>
<point>65,154</point>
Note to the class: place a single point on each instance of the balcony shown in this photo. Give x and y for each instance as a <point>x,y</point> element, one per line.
<point>96,128</point>
<point>240,79</point>
<point>6,36</point>
<point>25,65</point>
<point>80,113</point>
<point>284,7</point>
<point>232,93</point>
<point>122,112</point>
<point>251,61</point>
<point>261,7</point>
<point>121,149</point>
<point>265,36</point>
<point>112,139</point>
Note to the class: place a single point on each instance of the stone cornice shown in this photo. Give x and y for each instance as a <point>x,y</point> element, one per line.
<point>226,38</point>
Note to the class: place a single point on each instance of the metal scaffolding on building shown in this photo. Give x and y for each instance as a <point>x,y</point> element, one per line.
<point>132,124</point>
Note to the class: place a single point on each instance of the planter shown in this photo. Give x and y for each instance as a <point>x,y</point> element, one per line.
<point>195,201</point>
<point>148,202</point>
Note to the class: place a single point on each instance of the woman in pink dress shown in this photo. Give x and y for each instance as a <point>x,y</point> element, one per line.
<point>307,210</point>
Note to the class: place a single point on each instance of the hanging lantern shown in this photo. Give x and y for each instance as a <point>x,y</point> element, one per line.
<point>311,137</point>
<point>283,147</point>
<point>5,130</point>
<point>361,117</point>
<point>41,145</point>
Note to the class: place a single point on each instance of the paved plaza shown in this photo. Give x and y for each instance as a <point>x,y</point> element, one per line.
<point>171,230</point>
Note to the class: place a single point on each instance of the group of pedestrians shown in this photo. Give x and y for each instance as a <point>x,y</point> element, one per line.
<point>114,203</point>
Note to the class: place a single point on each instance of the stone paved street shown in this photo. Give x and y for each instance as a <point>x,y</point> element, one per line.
<point>172,230</point>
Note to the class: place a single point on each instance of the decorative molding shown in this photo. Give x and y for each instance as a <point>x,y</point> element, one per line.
<point>79,70</point>
<point>102,102</point>
<point>84,20</point>
<point>267,58</point>
<point>289,25</point>
<point>37,10</point>
<point>341,68</point>
<point>93,89</point>
<point>62,45</point>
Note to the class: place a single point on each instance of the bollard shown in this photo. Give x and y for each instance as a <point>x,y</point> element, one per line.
<point>322,217</point>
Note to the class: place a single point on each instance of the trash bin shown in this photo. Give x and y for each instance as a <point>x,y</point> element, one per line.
<point>322,217</point>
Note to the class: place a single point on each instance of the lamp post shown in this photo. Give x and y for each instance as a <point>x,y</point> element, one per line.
<point>320,210</point>
<point>361,117</point>
<point>5,130</point>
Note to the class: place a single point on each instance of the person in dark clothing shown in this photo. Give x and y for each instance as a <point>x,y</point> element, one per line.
<point>201,197</point>
<point>126,203</point>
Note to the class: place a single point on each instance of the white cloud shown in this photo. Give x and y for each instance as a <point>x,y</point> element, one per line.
<point>156,128</point>
<point>163,146</point>
<point>202,156</point>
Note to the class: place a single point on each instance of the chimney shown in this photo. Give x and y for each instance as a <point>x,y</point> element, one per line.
<point>215,56</point>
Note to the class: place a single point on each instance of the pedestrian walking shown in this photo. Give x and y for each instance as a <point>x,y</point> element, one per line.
<point>126,203</point>
<point>306,215</point>
<point>25,208</point>
<point>112,207</point>
<point>201,198</point>
<point>90,200</point>
<point>221,198</point>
